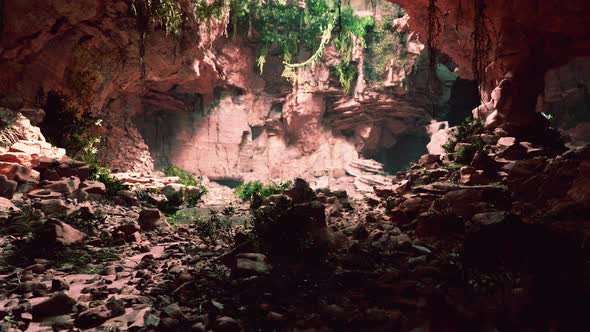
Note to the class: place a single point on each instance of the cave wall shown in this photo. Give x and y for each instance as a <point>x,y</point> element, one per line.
<point>202,104</point>
<point>527,38</point>
<point>567,99</point>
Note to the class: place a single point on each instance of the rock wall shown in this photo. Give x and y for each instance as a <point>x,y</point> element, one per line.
<point>202,104</point>
<point>527,38</point>
<point>567,99</point>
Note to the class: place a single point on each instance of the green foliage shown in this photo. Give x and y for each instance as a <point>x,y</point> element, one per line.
<point>84,261</point>
<point>215,228</point>
<point>168,13</point>
<point>251,189</point>
<point>465,153</point>
<point>68,126</point>
<point>113,185</point>
<point>191,197</point>
<point>384,45</point>
<point>465,130</point>
<point>185,177</point>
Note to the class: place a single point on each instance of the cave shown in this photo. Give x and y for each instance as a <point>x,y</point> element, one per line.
<point>294,165</point>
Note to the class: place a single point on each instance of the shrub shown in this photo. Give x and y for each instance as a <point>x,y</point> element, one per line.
<point>113,186</point>
<point>251,189</point>
<point>68,126</point>
<point>185,177</point>
<point>191,197</point>
<point>215,228</point>
<point>465,130</point>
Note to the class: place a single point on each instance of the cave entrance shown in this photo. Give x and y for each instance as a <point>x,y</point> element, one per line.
<point>232,183</point>
<point>409,148</point>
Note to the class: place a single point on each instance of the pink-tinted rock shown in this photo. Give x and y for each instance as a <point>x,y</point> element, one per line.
<point>57,232</point>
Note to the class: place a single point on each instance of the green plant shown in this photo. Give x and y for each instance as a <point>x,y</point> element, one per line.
<point>460,134</point>
<point>69,126</point>
<point>184,177</point>
<point>385,46</point>
<point>84,261</point>
<point>251,189</point>
<point>113,185</point>
<point>465,153</point>
<point>212,229</point>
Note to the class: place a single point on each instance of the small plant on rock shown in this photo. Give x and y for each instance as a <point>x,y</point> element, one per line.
<point>113,185</point>
<point>462,133</point>
<point>249,190</point>
<point>215,228</point>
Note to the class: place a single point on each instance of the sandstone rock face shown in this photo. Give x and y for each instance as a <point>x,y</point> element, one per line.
<point>204,106</point>
<point>529,40</point>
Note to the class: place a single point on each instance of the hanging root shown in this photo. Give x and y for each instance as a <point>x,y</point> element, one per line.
<point>482,43</point>
<point>434,30</point>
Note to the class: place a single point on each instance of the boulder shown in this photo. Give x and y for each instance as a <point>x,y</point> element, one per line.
<point>248,264</point>
<point>40,148</point>
<point>58,304</point>
<point>35,115</point>
<point>7,208</point>
<point>64,186</point>
<point>53,206</point>
<point>44,194</point>
<point>19,173</point>
<point>428,160</point>
<point>174,193</point>
<point>7,187</point>
<point>96,316</point>
<point>152,219</point>
<point>20,158</point>
<point>300,192</point>
<point>56,232</point>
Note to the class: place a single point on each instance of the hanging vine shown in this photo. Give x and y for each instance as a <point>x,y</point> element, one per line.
<point>482,42</point>
<point>434,30</point>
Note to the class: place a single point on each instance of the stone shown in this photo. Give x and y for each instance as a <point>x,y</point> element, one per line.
<point>52,206</point>
<point>248,264</point>
<point>39,148</point>
<point>174,193</point>
<point>23,159</point>
<point>152,219</point>
<point>93,187</point>
<point>56,232</point>
<point>428,160</point>
<point>19,173</point>
<point>300,192</point>
<point>35,115</point>
<point>44,194</point>
<point>127,197</point>
<point>506,141</point>
<point>58,304</point>
<point>227,324</point>
<point>128,228</point>
<point>7,187</point>
<point>59,284</point>
<point>64,186</point>
<point>7,207</point>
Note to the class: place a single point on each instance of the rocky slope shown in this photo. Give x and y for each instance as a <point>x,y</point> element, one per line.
<point>494,243</point>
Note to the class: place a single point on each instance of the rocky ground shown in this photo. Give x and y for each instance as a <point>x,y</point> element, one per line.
<point>497,243</point>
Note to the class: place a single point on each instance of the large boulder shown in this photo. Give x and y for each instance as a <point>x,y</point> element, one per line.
<point>7,187</point>
<point>152,219</point>
<point>56,232</point>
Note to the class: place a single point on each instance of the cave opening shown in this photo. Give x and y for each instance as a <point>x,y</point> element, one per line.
<point>294,165</point>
